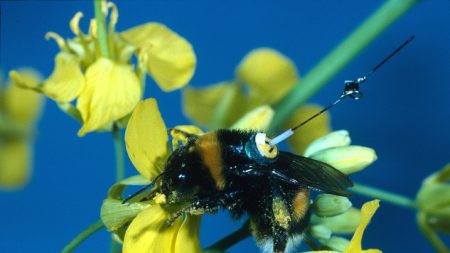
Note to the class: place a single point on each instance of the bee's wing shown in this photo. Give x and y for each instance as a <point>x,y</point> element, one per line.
<point>313,174</point>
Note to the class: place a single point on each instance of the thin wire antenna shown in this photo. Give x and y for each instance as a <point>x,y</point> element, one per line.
<point>351,90</point>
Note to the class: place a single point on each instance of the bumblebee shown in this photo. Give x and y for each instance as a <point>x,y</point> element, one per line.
<point>240,171</point>
<point>245,173</point>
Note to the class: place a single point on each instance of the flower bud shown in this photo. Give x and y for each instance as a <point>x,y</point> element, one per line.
<point>331,140</point>
<point>348,159</point>
<point>337,243</point>
<point>320,232</point>
<point>433,200</point>
<point>327,205</point>
<point>345,223</point>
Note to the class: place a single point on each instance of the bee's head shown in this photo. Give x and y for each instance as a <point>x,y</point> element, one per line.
<point>259,149</point>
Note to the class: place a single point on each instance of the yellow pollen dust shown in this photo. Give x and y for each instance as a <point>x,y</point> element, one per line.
<point>160,198</point>
<point>280,213</point>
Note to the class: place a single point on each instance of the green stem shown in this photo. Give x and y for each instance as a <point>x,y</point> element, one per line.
<point>120,169</point>
<point>431,236</point>
<point>118,146</point>
<point>393,198</point>
<point>337,59</point>
<point>101,29</point>
<point>114,247</point>
<point>233,238</point>
<point>83,236</point>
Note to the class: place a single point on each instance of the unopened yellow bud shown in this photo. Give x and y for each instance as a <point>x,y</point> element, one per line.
<point>331,140</point>
<point>327,205</point>
<point>347,159</point>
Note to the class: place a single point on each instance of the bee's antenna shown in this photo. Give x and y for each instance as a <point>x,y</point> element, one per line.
<point>142,189</point>
<point>351,89</point>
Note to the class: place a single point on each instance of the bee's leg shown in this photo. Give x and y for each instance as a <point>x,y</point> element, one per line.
<point>176,131</point>
<point>180,136</point>
<point>279,238</point>
<point>282,219</point>
<point>197,207</point>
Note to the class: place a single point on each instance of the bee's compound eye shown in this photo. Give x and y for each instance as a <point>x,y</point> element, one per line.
<point>264,147</point>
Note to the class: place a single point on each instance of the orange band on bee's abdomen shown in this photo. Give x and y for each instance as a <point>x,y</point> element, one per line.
<point>300,204</point>
<point>208,147</point>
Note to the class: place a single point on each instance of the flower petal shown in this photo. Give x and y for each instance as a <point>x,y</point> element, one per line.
<point>334,139</point>
<point>188,236</point>
<point>66,81</point>
<point>112,91</point>
<point>170,58</point>
<point>257,119</point>
<point>149,232</point>
<point>347,159</point>
<point>269,73</point>
<point>316,128</point>
<point>367,211</point>
<point>15,160</point>
<point>200,104</point>
<point>146,139</point>
<point>22,105</point>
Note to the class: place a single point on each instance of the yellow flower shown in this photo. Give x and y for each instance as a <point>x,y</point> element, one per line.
<point>147,145</point>
<point>367,211</point>
<point>19,110</point>
<point>108,87</point>
<point>264,76</point>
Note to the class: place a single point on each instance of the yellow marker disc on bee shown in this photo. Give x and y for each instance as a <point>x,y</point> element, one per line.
<point>264,147</point>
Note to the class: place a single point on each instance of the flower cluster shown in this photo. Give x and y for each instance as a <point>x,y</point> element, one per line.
<point>99,73</point>
<point>334,215</point>
<point>19,111</point>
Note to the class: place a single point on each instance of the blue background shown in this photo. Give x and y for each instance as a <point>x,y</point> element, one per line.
<point>404,115</point>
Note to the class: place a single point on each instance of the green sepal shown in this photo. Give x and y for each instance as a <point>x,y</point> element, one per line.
<point>115,214</point>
